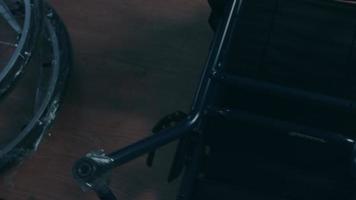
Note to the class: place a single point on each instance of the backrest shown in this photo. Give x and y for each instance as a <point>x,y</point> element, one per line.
<point>308,44</point>
<point>301,44</point>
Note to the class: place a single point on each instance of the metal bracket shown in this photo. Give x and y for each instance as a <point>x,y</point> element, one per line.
<point>166,122</point>
<point>91,174</point>
<point>184,148</point>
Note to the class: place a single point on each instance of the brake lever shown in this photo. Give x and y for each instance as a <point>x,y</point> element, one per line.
<point>105,193</point>
<point>167,122</point>
<point>184,148</point>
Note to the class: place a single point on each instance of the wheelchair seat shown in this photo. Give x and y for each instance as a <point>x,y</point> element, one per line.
<point>288,91</point>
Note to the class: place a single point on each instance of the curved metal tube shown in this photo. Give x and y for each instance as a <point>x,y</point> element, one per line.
<point>90,171</point>
<point>30,35</point>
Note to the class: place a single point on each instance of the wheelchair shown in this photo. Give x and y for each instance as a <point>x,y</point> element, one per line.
<point>273,116</point>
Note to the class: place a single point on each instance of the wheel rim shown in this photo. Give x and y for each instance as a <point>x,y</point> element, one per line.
<point>54,54</point>
<point>22,21</point>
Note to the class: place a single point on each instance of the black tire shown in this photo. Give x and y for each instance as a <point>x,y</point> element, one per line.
<point>55,60</point>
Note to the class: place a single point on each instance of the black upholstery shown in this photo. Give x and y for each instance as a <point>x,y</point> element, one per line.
<point>307,45</point>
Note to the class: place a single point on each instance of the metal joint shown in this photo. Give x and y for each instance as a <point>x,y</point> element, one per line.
<point>90,171</point>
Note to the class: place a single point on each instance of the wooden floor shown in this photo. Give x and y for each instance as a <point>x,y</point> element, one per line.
<point>135,61</point>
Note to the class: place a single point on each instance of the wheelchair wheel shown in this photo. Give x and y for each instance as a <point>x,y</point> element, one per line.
<point>20,25</point>
<point>30,108</point>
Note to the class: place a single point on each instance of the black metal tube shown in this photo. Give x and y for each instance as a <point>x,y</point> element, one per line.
<point>90,172</point>
<point>286,92</point>
<point>153,142</point>
<point>322,135</point>
<point>106,193</point>
<point>188,184</point>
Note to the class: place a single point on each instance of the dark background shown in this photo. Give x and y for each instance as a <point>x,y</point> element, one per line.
<point>135,61</point>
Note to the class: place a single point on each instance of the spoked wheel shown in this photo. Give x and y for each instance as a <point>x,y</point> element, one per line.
<point>27,112</point>
<point>20,26</point>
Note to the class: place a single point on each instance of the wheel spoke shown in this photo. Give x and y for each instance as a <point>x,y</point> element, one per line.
<point>8,44</point>
<point>9,17</point>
